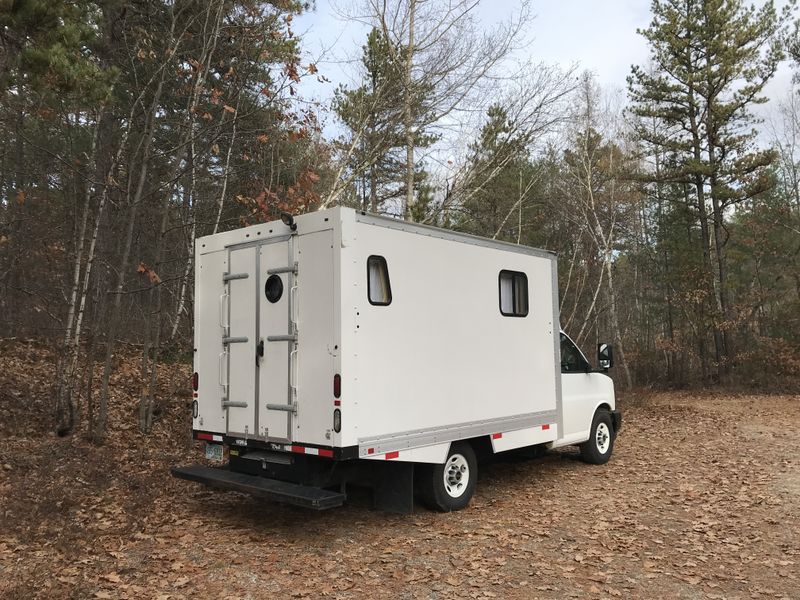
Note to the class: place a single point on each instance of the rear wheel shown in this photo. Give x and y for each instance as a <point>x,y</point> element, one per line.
<point>450,486</point>
<point>598,448</point>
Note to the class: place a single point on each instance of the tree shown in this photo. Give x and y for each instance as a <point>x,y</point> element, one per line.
<point>523,114</point>
<point>373,113</point>
<point>502,150</point>
<point>711,61</point>
<point>128,130</point>
<point>444,58</point>
<point>598,195</point>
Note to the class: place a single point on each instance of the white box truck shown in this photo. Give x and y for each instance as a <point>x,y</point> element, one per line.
<point>342,348</point>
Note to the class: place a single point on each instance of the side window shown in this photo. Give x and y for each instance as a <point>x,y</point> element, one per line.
<point>513,294</point>
<point>379,290</point>
<point>572,360</point>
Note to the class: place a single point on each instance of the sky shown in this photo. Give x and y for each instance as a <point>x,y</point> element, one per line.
<point>595,35</point>
<point>599,35</point>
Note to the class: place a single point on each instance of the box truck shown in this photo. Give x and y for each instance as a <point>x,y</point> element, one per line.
<point>342,348</point>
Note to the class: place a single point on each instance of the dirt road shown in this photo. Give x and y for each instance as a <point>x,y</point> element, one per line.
<point>701,500</point>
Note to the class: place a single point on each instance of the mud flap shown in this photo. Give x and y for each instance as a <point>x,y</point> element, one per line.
<point>393,487</point>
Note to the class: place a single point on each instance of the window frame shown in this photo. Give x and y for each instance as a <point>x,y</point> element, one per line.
<point>587,366</point>
<point>385,267</point>
<point>514,275</point>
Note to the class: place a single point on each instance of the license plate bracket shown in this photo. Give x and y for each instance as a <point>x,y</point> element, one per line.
<point>214,452</point>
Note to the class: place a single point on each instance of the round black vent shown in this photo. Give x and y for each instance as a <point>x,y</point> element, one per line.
<point>273,288</point>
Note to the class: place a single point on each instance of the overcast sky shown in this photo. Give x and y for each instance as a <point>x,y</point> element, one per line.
<point>598,35</point>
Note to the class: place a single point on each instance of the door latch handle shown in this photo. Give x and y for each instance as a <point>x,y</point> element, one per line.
<point>259,351</point>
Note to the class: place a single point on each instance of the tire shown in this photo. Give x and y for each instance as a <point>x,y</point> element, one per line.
<point>598,448</point>
<point>450,486</point>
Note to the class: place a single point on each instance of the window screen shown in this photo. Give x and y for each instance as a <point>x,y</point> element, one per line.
<point>379,291</point>
<point>513,294</point>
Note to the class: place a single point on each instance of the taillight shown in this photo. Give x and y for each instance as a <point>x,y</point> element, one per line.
<point>337,386</point>
<point>337,420</point>
<point>195,381</point>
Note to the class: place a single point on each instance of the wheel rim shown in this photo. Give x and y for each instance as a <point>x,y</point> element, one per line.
<point>456,475</point>
<point>602,438</point>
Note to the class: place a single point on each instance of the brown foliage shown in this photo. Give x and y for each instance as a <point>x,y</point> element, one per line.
<point>699,501</point>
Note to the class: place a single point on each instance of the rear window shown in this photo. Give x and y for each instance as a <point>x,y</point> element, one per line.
<point>513,294</point>
<point>379,290</point>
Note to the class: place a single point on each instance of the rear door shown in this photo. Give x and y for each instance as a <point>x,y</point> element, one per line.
<point>278,338</point>
<point>260,339</point>
<point>239,341</point>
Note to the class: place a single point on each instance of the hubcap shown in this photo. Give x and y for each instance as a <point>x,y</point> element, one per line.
<point>602,438</point>
<point>456,475</point>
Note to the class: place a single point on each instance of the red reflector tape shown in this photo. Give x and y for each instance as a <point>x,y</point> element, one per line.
<point>311,451</point>
<point>497,436</point>
<point>370,450</point>
<point>205,436</point>
<point>391,455</point>
<point>545,427</point>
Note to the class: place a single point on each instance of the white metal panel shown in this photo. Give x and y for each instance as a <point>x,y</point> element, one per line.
<point>582,393</point>
<point>255,234</point>
<point>441,353</point>
<point>435,454</point>
<point>208,294</point>
<point>241,355</point>
<point>510,440</point>
<point>317,347</point>
<point>274,366</point>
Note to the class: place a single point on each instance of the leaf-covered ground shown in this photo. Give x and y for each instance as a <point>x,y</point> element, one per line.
<point>701,500</point>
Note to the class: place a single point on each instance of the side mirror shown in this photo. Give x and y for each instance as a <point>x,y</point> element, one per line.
<point>605,356</point>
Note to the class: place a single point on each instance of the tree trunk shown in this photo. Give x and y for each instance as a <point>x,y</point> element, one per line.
<point>705,239</point>
<point>65,403</point>
<point>373,189</point>
<point>189,261</point>
<point>133,205</point>
<point>409,117</point>
<point>150,362</point>
<point>615,329</point>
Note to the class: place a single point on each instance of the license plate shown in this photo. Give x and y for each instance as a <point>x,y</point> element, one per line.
<point>214,452</point>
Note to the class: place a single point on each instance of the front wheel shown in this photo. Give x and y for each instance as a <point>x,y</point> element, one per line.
<point>450,486</point>
<point>598,448</point>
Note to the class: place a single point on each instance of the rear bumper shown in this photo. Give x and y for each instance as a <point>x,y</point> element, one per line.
<point>334,452</point>
<point>280,491</point>
<point>616,420</point>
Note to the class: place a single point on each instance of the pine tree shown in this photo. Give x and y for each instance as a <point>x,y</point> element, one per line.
<point>499,173</point>
<point>711,61</point>
<point>373,113</point>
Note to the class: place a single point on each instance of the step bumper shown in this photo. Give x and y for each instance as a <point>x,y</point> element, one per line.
<point>273,489</point>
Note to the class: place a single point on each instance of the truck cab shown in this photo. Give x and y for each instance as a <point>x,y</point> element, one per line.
<point>584,392</point>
